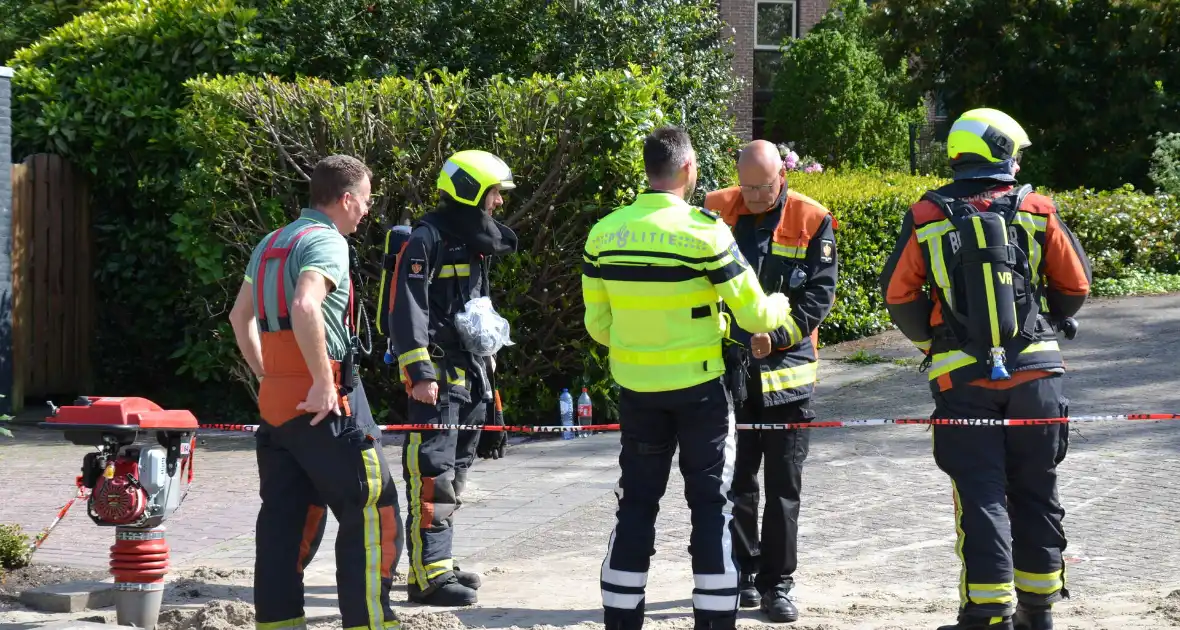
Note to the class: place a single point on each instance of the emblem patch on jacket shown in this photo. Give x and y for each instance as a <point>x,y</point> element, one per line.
<point>417,269</point>
<point>737,255</point>
<point>826,250</point>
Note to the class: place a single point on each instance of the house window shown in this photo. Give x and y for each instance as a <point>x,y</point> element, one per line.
<point>775,21</point>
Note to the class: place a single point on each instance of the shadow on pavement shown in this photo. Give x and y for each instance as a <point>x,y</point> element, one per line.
<point>496,617</point>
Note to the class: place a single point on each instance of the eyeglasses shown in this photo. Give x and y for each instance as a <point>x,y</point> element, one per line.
<point>758,188</point>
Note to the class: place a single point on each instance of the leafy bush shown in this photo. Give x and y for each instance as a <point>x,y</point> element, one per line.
<point>574,145</point>
<point>868,206</point>
<point>14,547</point>
<point>1165,163</point>
<point>1090,80</point>
<point>836,98</point>
<point>103,91</point>
<point>345,40</point>
<point>1123,230</point>
<point>1137,282</point>
<point>22,22</point>
<point>1132,239</point>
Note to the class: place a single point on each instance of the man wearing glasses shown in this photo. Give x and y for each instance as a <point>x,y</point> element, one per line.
<point>789,240</point>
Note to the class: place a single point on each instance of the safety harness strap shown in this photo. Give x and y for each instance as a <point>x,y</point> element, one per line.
<point>281,254</point>
<point>959,213</point>
<point>996,254</point>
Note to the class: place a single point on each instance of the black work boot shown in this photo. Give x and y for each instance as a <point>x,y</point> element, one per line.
<point>1032,618</point>
<point>981,623</point>
<point>777,607</point>
<point>748,596</point>
<point>446,593</point>
<point>467,578</point>
<point>713,621</point>
<point>617,619</point>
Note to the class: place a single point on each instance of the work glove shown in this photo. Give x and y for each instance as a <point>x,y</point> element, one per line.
<point>491,443</point>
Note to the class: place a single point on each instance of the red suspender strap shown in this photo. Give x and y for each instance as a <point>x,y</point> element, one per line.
<point>350,314</point>
<point>260,278</point>
<point>281,253</point>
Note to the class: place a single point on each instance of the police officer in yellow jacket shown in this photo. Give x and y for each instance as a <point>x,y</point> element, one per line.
<point>654,278</point>
<point>789,239</point>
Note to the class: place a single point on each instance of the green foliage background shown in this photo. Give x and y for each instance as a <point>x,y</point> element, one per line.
<point>838,101</point>
<point>106,90</point>
<point>1092,81</point>
<point>577,143</point>
<point>190,169</point>
<point>1165,163</point>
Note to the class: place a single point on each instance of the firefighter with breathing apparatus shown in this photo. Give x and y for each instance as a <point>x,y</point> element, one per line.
<point>444,334</point>
<point>1005,274</point>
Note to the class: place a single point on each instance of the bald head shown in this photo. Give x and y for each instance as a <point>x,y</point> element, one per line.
<point>760,173</point>
<point>761,153</point>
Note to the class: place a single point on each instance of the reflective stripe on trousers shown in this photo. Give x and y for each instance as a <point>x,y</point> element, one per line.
<point>700,420</point>
<point>434,479</point>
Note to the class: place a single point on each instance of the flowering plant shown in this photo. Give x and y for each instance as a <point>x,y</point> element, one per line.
<point>793,162</point>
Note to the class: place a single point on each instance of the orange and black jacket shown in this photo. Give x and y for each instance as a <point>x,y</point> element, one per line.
<point>435,279</point>
<point>1061,275</point>
<point>792,247</point>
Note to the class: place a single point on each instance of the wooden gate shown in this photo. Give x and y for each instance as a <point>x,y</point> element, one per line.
<point>53,292</point>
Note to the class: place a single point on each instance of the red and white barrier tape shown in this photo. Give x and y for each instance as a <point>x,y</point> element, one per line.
<point>82,493</point>
<point>825,424</point>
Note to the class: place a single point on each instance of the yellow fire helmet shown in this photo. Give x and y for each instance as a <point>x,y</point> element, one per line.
<point>985,141</point>
<point>467,175</point>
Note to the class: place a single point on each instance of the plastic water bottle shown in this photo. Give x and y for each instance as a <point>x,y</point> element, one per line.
<point>585,411</point>
<point>566,402</point>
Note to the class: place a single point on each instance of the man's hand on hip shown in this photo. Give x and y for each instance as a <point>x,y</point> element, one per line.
<point>425,392</point>
<point>322,399</point>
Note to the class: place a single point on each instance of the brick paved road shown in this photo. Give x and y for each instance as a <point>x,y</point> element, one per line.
<point>215,525</point>
<point>876,514</point>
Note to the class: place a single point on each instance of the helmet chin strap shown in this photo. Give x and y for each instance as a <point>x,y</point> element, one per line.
<point>1004,171</point>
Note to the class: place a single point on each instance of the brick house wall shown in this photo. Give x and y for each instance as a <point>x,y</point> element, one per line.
<point>810,13</point>
<point>741,16</point>
<point>6,341</point>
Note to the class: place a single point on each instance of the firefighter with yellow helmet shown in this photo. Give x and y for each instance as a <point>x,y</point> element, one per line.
<point>1005,275</point>
<point>442,267</point>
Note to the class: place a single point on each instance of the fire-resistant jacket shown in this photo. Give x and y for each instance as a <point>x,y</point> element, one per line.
<point>435,280</point>
<point>654,277</point>
<point>927,239</point>
<point>793,248</point>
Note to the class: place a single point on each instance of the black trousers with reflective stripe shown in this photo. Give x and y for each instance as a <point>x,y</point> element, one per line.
<point>774,558</point>
<point>1005,486</point>
<point>303,469</point>
<point>435,466</point>
<point>700,421</point>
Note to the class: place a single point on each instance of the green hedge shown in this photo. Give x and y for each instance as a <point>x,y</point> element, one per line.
<point>1124,231</point>
<point>1129,236</point>
<point>574,145</point>
<point>868,207</point>
<point>103,91</point>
